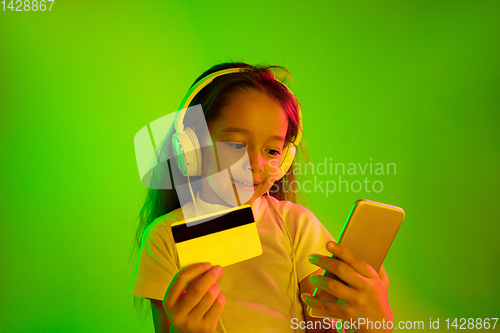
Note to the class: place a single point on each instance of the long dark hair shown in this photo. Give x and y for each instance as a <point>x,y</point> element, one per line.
<point>212,98</point>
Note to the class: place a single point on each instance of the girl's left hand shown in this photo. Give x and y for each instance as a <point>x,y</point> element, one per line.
<point>364,296</point>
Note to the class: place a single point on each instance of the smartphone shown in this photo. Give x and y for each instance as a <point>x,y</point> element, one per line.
<point>368,232</point>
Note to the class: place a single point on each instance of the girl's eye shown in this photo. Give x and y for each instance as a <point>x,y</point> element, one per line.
<point>236,145</point>
<point>274,152</point>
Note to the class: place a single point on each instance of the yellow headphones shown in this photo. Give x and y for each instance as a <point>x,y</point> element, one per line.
<point>186,146</point>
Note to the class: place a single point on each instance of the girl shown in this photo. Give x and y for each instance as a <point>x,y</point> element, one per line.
<point>248,108</point>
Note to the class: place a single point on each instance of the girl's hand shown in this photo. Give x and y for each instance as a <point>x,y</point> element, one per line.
<point>364,296</point>
<point>197,308</point>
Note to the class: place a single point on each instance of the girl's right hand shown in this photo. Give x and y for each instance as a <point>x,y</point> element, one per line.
<point>197,308</point>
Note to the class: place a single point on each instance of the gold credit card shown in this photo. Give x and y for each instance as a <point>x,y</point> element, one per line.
<point>221,238</point>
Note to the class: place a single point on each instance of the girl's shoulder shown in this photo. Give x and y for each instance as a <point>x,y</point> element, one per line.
<point>160,227</point>
<point>168,219</point>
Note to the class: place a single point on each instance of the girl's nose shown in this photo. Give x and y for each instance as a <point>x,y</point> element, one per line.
<point>256,162</point>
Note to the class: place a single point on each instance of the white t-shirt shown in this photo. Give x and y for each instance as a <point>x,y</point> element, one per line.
<point>259,292</point>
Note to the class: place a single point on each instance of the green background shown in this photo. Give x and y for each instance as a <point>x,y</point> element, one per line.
<point>415,83</point>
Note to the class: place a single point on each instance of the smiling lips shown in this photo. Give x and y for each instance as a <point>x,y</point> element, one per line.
<point>244,183</point>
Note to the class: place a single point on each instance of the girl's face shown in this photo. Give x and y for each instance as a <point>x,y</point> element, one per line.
<point>251,123</point>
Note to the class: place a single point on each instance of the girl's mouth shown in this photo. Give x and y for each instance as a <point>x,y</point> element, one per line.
<point>244,185</point>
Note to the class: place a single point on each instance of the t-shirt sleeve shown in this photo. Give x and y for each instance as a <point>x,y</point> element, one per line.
<point>309,237</point>
<point>157,264</point>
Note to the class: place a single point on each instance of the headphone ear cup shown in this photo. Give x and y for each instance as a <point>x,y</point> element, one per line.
<point>178,152</point>
<point>287,157</point>
<point>195,168</point>
<point>187,153</point>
